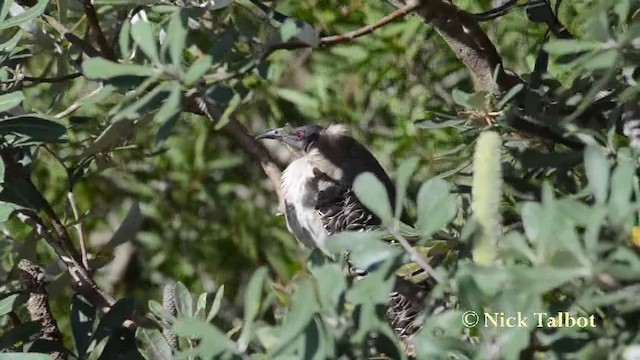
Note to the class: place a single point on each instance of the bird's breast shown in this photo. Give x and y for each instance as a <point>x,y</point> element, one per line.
<point>300,200</point>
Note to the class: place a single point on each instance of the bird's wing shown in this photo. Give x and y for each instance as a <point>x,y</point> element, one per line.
<point>340,209</point>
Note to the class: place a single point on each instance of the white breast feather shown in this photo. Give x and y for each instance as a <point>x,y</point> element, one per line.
<point>308,227</point>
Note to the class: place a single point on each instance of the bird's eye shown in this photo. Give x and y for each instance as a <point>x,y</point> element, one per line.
<point>299,134</point>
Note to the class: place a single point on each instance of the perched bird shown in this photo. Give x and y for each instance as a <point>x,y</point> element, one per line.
<point>319,200</point>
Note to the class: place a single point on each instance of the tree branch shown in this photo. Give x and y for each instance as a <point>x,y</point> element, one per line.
<point>78,226</point>
<point>32,277</point>
<point>469,43</point>
<point>94,25</point>
<point>397,14</point>
<point>415,256</point>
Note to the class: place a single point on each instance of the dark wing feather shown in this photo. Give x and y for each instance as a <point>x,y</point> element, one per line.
<point>341,210</point>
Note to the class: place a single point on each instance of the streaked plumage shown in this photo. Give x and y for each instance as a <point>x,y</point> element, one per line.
<point>319,200</point>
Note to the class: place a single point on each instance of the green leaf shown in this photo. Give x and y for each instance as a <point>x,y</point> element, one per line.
<point>597,169</point>
<point>622,187</point>
<point>122,343</point>
<point>12,302</point>
<point>20,333</point>
<point>298,98</point>
<point>177,36</point>
<point>201,306</point>
<point>142,34</point>
<point>25,16</point>
<point>373,195</point>
<point>124,39</point>
<point>5,211</point>
<point>110,137</point>
<point>25,356</point>
<point>371,292</point>
<point>601,60</point>
<point>113,319</point>
<point>170,107</point>
<point>158,310</point>
<point>476,100</point>
<point>217,302</point>
<point>147,103</point>
<point>564,47</point>
<point>405,170</point>
<point>10,100</point>
<point>5,6</point>
<point>331,284</point>
<point>100,68</point>
<point>10,44</point>
<point>252,301</point>
<point>33,128</point>
<point>155,344</point>
<point>19,193</point>
<point>220,94</point>
<point>128,228</point>
<point>82,316</point>
<point>541,280</point>
<point>510,95</point>
<point>197,70</point>
<point>436,206</point>
<point>303,308</point>
<point>365,248</point>
<point>226,115</point>
<point>184,301</point>
<point>213,341</point>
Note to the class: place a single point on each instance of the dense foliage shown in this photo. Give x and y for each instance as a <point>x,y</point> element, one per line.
<point>126,129</point>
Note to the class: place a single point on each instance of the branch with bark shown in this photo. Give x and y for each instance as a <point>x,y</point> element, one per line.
<point>33,279</point>
<point>469,42</point>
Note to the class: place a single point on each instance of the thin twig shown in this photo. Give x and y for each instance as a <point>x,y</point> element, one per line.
<point>415,256</point>
<point>409,7</point>
<point>69,36</point>
<point>39,80</point>
<point>94,24</point>
<point>78,226</point>
<point>76,105</point>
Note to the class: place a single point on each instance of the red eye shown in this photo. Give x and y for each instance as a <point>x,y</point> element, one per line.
<point>299,134</point>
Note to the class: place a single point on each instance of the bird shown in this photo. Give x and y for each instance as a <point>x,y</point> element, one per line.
<point>319,201</point>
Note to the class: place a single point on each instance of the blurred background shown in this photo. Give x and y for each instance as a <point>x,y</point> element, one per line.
<point>198,209</point>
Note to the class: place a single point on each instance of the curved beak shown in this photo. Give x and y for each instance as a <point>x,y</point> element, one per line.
<point>271,134</point>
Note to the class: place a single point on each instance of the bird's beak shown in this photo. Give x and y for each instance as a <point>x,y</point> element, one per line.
<point>271,134</point>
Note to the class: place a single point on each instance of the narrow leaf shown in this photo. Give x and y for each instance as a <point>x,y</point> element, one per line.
<point>597,169</point>
<point>100,68</point>
<point>252,301</point>
<point>12,302</point>
<point>23,17</point>
<point>436,206</point>
<point>82,316</point>
<point>373,195</point>
<point>142,34</point>
<point>34,128</point>
<point>217,302</point>
<point>10,100</point>
<point>184,301</point>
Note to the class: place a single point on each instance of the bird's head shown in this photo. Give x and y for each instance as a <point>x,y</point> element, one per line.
<point>299,138</point>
